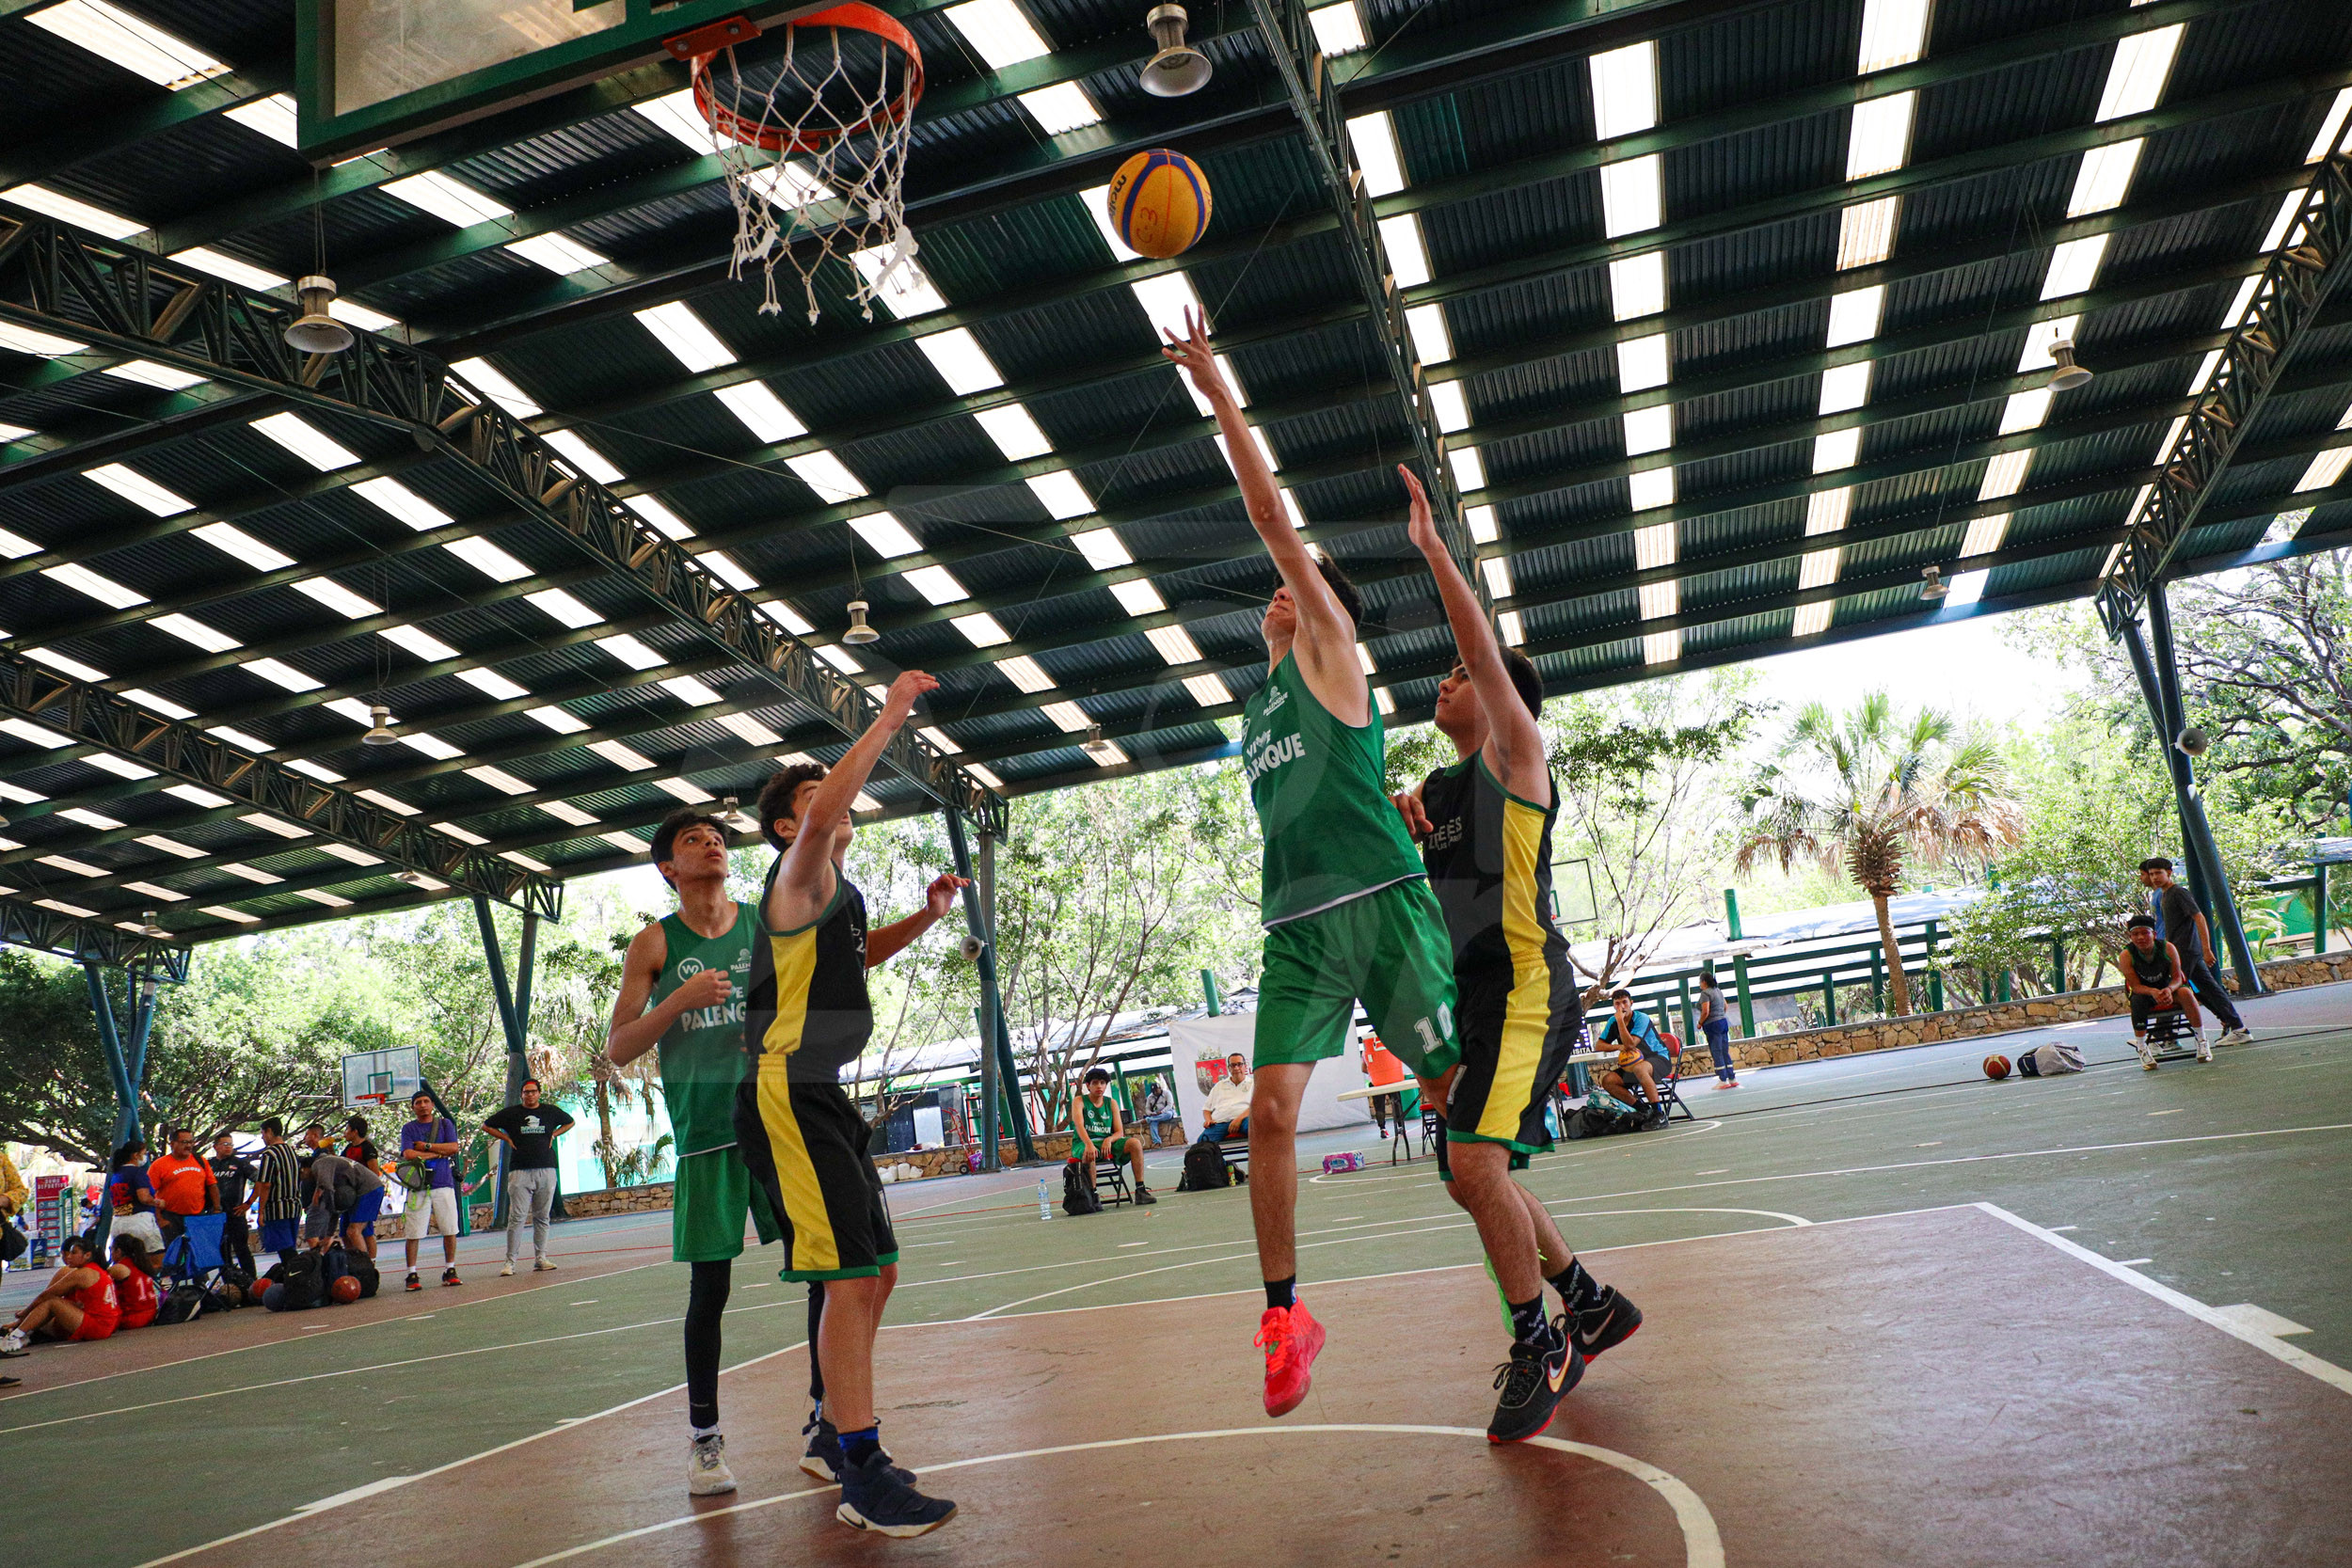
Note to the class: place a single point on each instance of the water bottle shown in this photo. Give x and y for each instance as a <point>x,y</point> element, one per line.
<point>1044,1203</point>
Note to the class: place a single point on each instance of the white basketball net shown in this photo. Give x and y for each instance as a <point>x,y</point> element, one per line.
<point>803,208</point>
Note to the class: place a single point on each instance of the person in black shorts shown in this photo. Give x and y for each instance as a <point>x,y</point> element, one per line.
<point>2157,982</point>
<point>1484,829</point>
<point>234,1176</point>
<point>2183,924</point>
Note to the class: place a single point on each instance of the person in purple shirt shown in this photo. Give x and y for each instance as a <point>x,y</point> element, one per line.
<point>432,1138</point>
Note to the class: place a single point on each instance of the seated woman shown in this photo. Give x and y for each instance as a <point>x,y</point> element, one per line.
<point>1642,1056</point>
<point>79,1303</point>
<point>133,1273</point>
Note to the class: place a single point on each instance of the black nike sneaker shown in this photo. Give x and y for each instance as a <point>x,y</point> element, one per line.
<point>1610,1320</point>
<point>1532,1382</point>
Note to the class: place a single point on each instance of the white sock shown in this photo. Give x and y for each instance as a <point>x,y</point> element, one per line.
<point>701,1433</point>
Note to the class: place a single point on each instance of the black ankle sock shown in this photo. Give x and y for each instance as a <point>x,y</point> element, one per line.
<point>1576,1287</point>
<point>857,1447</point>
<point>1282,1292</point>
<point>1528,1324</point>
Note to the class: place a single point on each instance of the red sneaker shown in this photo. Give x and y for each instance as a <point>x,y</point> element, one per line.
<point>1291,1339</point>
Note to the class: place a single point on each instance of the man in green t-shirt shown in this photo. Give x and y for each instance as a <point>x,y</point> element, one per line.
<point>682,989</point>
<point>1344,899</point>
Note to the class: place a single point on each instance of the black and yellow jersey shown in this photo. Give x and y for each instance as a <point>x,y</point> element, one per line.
<point>1488,855</point>
<point>808,1001</point>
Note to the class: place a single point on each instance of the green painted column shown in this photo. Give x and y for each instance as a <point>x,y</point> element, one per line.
<point>1936,974</point>
<point>1878,980</point>
<point>1829,998</point>
<point>2002,987</point>
<point>2319,897</point>
<point>1689,1024</point>
<point>1738,964</point>
<point>2058,964</point>
<point>1208,988</point>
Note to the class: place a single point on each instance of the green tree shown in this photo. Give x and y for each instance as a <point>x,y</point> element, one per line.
<point>1868,790</point>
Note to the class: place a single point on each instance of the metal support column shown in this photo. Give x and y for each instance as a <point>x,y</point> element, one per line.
<point>2218,901</point>
<point>1935,974</point>
<point>117,1064</point>
<point>1000,1076</point>
<point>2319,905</point>
<point>1690,1023</point>
<point>1738,964</point>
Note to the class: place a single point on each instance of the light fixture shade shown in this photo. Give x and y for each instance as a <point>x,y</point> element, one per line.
<point>1932,585</point>
<point>149,926</point>
<point>858,633</point>
<point>2068,376</point>
<point>1178,68</point>
<point>315,331</point>
<point>380,732</point>
<point>404,875</point>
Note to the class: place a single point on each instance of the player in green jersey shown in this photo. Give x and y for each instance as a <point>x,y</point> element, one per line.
<point>1101,1131</point>
<point>1345,901</point>
<point>682,989</point>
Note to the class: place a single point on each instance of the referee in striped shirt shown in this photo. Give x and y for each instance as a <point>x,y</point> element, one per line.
<point>279,1191</point>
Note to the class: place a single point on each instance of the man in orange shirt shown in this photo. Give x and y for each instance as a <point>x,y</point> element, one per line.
<point>1381,1067</point>
<point>183,1184</point>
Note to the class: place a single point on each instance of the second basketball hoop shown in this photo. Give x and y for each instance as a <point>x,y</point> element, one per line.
<point>811,119</point>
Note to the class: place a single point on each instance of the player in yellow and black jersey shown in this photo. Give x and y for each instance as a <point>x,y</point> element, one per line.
<point>1485,828</point>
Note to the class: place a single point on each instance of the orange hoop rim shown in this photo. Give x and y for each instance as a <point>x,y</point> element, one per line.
<point>855,15</point>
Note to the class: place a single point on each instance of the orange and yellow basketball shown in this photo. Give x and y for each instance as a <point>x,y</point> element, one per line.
<point>1159,203</point>
<point>1996,1067</point>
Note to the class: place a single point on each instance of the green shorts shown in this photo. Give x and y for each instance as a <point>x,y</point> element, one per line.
<point>1114,1149</point>
<point>1389,950</point>
<point>713,1196</point>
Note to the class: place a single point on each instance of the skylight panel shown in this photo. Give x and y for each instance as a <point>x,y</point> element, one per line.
<point>1096,201</point>
<point>488,559</point>
<point>1631,197</point>
<point>666,522</point>
<point>243,547</point>
<point>622,756</point>
<point>224,912</point>
<point>1839,448</point>
<point>1432,344</point>
<point>65,209</point>
<point>1637,286</point>
<point>1648,430</point>
<point>155,889</point>
<point>221,265</point>
<point>1654,546</point>
<point>2073,268</point>
<point>1175,646</point>
<point>1062,107</point>
<point>424,646</point>
<point>575,448</point>
<point>353,313</point>
<point>563,811</point>
<point>1865,233</point>
<point>241,737</point>
<point>1853,316</point>
<point>981,629</point>
<point>1819,569</point>
<point>1649,488</point>
<point>307,441</point>
<point>960,362</point>
<point>2041,339</point>
<point>998,32</point>
<point>122,767</point>
<point>1985,534</point>
<point>13,431</point>
<point>902,288</point>
<point>1497,572</point>
<point>761,411</point>
<point>139,47</point>
<point>1024,672</point>
<point>626,647</point>
<point>1879,140</point>
<point>1845,387</point>
<point>269,824</point>
<point>689,690</point>
<point>564,607</point>
<point>676,328</point>
<point>1625,89</point>
<point>826,474</point>
<point>941,742</point>
<point>675,113</point>
<point>1482,524</point>
<point>138,489</point>
<point>1893,32</point>
<point>1014,431</point>
<point>690,793</point>
<point>2105,178</point>
<point>937,584</point>
<point>2330,127</point>
<point>24,340</point>
<point>274,116</point>
<point>2004,476</point>
<point>1642,363</point>
<point>16,546</point>
<point>94,820</point>
<point>499,387</point>
<point>1662,647</point>
<point>148,374</point>
<point>278,672</point>
<point>405,505</point>
<point>785,616</point>
<point>1408,257</point>
<point>1339,29</point>
<point>886,534</point>
<point>840,658</point>
<point>557,254</point>
<point>450,200</point>
<point>498,778</point>
<point>114,596</point>
<point>750,731</point>
<point>1166,297</point>
<point>351,708</point>
<point>1069,716</point>
<point>24,729</point>
<point>1061,493</point>
<point>164,706</point>
<point>73,667</point>
<point>1208,690</point>
<point>1374,139</point>
<point>2137,75</point>
<point>1469,468</point>
<point>2025,410</point>
<point>728,570</point>
<point>1102,548</point>
<point>431,745</point>
<point>1139,597</point>
<point>1826,511</point>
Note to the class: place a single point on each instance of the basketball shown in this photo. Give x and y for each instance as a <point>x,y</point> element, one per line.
<point>345,1288</point>
<point>1996,1067</point>
<point>1159,203</point>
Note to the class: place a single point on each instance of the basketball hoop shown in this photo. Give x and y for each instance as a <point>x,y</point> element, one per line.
<point>816,114</point>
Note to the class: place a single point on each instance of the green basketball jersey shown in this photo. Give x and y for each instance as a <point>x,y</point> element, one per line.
<point>1097,1118</point>
<point>1331,833</point>
<point>701,1051</point>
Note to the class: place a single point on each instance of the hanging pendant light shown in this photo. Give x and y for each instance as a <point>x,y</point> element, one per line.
<point>148,925</point>
<point>1932,585</point>
<point>315,331</point>
<point>858,633</point>
<point>1178,68</point>
<point>2068,376</point>
<point>380,733</point>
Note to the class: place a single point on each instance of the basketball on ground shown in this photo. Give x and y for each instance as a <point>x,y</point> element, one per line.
<point>345,1288</point>
<point>1159,203</point>
<point>1996,1067</point>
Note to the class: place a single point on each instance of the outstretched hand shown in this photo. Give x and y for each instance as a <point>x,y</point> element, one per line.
<point>1192,355</point>
<point>904,692</point>
<point>1420,527</point>
<point>1416,815</point>
<point>940,896</point>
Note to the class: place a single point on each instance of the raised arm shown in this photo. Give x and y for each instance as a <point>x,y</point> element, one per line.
<point>886,942</point>
<point>1514,745</point>
<point>805,883</point>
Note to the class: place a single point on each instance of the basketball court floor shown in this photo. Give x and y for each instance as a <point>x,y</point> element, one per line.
<point>1895,1314</point>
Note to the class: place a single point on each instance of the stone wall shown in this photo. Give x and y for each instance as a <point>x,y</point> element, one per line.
<point>1997,1018</point>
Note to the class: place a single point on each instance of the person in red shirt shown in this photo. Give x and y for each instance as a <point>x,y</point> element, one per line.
<point>183,1184</point>
<point>134,1274</point>
<point>79,1303</point>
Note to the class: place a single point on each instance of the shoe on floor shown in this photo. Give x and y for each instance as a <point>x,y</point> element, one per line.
<point>542,1265</point>
<point>11,1381</point>
<point>16,1342</point>
<point>1143,1195</point>
<point>1291,1339</point>
<point>2147,1053</point>
<point>707,1472</point>
<point>449,1276</point>
<point>414,1283</point>
<point>2204,1049</point>
<point>1532,1382</point>
<point>1610,1320</point>
<point>507,1269</point>
<point>824,1458</point>
<point>874,1498</point>
<point>2234,1036</point>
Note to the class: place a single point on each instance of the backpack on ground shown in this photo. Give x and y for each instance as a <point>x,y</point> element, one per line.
<point>363,1268</point>
<point>186,1299</point>
<point>2049,1061</point>
<point>1205,1170</point>
<point>301,1280</point>
<point>1599,1117</point>
<point>1077,1194</point>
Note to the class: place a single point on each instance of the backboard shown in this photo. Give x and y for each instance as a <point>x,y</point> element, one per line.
<point>394,1073</point>
<point>370,74</point>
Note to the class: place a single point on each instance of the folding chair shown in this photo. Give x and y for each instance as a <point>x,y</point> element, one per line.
<point>195,1253</point>
<point>2170,1033</point>
<point>1670,1091</point>
<point>1111,1176</point>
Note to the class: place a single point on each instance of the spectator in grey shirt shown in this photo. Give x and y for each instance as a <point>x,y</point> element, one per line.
<point>1716,1025</point>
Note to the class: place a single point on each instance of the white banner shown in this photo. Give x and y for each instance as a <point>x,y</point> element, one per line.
<point>1201,1045</point>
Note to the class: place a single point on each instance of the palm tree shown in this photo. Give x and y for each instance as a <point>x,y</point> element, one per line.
<point>1862,792</point>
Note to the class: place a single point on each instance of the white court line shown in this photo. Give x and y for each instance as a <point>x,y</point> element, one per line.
<point>2301,1360</point>
<point>1702,1542</point>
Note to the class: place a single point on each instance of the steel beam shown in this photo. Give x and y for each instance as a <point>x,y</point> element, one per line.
<point>25,923</point>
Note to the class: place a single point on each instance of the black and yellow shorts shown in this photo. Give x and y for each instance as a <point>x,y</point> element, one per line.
<point>1516,1031</point>
<point>805,1147</point>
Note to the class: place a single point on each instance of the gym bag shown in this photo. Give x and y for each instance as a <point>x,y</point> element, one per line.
<point>1205,1170</point>
<point>2049,1061</point>
<point>1077,1195</point>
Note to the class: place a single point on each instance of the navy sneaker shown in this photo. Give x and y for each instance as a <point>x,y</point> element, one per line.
<point>824,1458</point>
<point>874,1498</point>
<point>1532,1381</point>
<point>1610,1320</point>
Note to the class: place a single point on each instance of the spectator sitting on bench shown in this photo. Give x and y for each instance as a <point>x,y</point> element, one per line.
<point>79,1303</point>
<point>2158,984</point>
<point>1227,1113</point>
<point>1101,1129</point>
<point>1642,1056</point>
<point>133,1273</point>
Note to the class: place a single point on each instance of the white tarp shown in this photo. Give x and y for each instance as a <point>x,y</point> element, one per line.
<point>1201,1045</point>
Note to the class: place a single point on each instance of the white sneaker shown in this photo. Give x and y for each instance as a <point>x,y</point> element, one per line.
<point>543,1266</point>
<point>2204,1049</point>
<point>707,1472</point>
<point>16,1342</point>
<point>2147,1051</point>
<point>2236,1036</point>
<point>508,1271</point>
